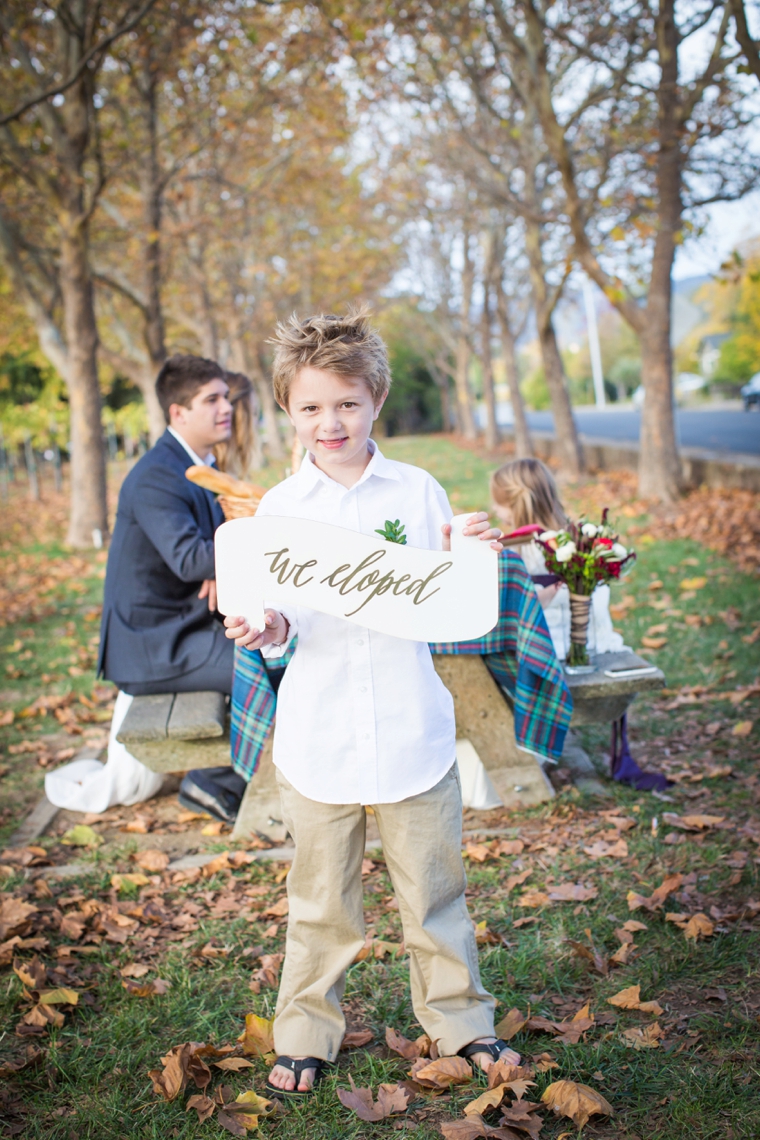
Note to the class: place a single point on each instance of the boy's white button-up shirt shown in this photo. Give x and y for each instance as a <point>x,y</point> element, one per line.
<point>362,717</point>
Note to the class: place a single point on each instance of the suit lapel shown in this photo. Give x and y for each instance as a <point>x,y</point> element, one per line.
<point>214,516</point>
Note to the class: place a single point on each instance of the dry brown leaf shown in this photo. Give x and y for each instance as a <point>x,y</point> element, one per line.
<point>15,917</point>
<point>571,892</point>
<point>391,1099</point>
<point>491,1098</point>
<point>233,1064</point>
<point>513,881</point>
<point>647,1038</point>
<point>279,909</point>
<point>409,1050</point>
<point>691,822</point>
<point>470,1129</point>
<point>130,878</point>
<point>442,1073</point>
<point>698,926</point>
<point>510,1025</point>
<point>578,1102</point>
<point>477,852</point>
<point>533,898</point>
<point>219,863</point>
<point>248,1107</point>
<point>152,860</point>
<point>742,728</point>
<point>214,828</point>
<point>356,1038</point>
<point>202,1104</point>
<point>630,998</point>
<point>509,847</point>
<point>257,1037</point>
<point>134,970</point>
<point>60,996</point>
<point>33,974</point>
<point>521,1114</point>
<point>657,899</point>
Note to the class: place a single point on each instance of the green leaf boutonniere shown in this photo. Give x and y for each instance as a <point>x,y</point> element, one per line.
<point>393,532</point>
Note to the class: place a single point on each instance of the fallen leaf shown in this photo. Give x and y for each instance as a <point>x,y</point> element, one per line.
<point>742,728</point>
<point>647,1038</point>
<point>180,1064</point>
<point>269,973</point>
<point>152,860</point>
<point>491,1098</point>
<point>533,898</point>
<point>409,1050</point>
<point>633,925</point>
<point>81,836</point>
<point>60,996</point>
<point>442,1073</point>
<point>219,863</point>
<point>252,1106</point>
<point>469,1129</point>
<point>257,1037</point>
<point>544,1062</point>
<point>33,974</point>
<point>699,926</point>
<point>578,1102</point>
<point>213,828</point>
<point>356,1038</point>
<point>630,998</point>
<point>129,879</point>
<point>693,583</point>
<point>134,970</point>
<point>138,826</point>
<point>156,988</point>
<point>233,1064</point>
<point>381,948</point>
<point>391,1099</point>
<point>202,1104</point>
<point>571,892</point>
<point>509,847</point>
<point>692,822</point>
<point>654,642</point>
<point>477,852</point>
<point>6,718</point>
<point>513,881</point>
<point>520,1115</point>
<point>279,909</point>
<point>510,1025</point>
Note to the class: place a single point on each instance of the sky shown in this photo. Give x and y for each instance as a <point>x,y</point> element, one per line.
<point>729,224</point>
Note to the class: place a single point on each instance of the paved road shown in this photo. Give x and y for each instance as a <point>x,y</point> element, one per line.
<point>715,430</point>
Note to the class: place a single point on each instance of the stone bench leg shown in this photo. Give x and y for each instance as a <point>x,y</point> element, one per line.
<point>260,810</point>
<point>485,719</point>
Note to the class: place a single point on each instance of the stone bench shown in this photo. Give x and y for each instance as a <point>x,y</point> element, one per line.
<point>178,732</point>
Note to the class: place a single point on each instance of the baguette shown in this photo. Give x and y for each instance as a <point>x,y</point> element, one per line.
<point>220,484</point>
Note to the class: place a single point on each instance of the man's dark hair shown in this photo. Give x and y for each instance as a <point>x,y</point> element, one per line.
<point>182,377</point>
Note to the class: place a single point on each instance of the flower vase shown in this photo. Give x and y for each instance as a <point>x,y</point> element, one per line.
<point>580,612</point>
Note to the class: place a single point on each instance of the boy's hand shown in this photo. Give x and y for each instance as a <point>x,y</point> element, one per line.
<point>476,525</point>
<point>208,590</point>
<point>275,631</point>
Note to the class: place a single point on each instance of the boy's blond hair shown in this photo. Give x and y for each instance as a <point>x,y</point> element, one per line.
<point>527,487</point>
<point>346,345</point>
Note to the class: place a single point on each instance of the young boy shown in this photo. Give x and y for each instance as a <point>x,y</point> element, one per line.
<point>363,719</point>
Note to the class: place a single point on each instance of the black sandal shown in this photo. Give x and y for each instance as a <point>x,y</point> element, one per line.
<point>297,1067</point>
<point>494,1048</point>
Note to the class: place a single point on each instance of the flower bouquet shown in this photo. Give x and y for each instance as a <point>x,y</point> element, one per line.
<point>582,556</point>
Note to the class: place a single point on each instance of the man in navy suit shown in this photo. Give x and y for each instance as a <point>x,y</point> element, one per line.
<point>160,632</point>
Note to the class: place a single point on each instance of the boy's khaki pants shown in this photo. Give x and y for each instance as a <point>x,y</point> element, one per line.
<point>422,846</point>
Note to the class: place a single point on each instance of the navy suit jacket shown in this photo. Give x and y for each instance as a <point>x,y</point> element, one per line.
<point>155,627</point>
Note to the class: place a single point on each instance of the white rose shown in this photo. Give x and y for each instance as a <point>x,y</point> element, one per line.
<point>566,552</point>
<point>547,534</point>
<point>619,551</point>
<point>590,530</point>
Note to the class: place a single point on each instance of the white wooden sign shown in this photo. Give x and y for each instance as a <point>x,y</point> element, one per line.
<point>423,595</point>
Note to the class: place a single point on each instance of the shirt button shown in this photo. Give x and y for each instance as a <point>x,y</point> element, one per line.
<point>366,736</point>
<point>362,688</point>
<point>359,641</point>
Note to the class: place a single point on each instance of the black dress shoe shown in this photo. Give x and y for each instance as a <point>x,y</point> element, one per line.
<point>218,791</point>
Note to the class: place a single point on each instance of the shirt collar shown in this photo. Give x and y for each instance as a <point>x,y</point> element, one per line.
<point>193,455</point>
<point>309,475</point>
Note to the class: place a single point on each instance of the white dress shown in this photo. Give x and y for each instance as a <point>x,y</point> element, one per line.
<point>602,637</point>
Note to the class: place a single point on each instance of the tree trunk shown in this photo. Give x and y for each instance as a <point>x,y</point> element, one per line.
<point>441,378</point>
<point>146,382</point>
<point>659,463</point>
<point>568,445</point>
<point>465,413</point>
<point>88,470</point>
<point>275,445</point>
<point>152,194</point>
<point>489,395</point>
<point>523,442</point>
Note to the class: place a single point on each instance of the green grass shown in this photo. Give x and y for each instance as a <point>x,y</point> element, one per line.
<point>702,1085</point>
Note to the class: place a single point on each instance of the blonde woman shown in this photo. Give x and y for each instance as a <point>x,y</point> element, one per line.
<point>524,492</point>
<point>242,451</point>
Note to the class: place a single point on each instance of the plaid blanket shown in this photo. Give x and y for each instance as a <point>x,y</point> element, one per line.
<point>518,653</point>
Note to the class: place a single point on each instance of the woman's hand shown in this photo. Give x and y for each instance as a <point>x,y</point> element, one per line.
<point>275,631</point>
<point>476,525</point>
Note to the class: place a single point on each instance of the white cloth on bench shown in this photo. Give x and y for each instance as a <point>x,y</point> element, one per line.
<point>88,785</point>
